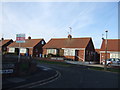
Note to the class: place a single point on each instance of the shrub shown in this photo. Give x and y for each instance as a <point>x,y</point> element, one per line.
<point>50,55</point>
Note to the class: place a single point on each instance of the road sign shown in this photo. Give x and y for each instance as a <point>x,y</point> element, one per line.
<point>6,71</point>
<point>20,38</point>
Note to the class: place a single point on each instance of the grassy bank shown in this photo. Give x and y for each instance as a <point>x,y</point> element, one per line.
<point>108,69</point>
<point>54,62</point>
<point>67,64</point>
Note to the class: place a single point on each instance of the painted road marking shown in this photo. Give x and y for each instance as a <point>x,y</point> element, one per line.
<point>43,67</point>
<point>42,82</point>
<point>46,82</point>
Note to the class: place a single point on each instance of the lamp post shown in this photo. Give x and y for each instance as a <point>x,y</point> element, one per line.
<point>105,66</point>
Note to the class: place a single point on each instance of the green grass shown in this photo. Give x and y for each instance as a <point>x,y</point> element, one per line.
<point>108,69</point>
<point>66,64</point>
<point>54,62</point>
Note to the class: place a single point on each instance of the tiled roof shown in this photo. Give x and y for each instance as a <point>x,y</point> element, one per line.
<point>67,43</point>
<point>97,50</point>
<point>28,43</point>
<point>2,42</point>
<point>112,45</point>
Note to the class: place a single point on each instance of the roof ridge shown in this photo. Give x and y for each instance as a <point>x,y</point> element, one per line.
<point>73,38</point>
<point>34,39</point>
<point>113,39</point>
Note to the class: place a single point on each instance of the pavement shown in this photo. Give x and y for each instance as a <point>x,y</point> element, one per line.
<point>42,75</point>
<point>84,63</point>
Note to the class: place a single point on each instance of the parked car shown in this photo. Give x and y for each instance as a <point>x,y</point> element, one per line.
<point>112,61</point>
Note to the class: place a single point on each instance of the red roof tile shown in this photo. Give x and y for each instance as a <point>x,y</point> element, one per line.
<point>67,43</point>
<point>97,50</point>
<point>112,45</point>
<point>28,43</point>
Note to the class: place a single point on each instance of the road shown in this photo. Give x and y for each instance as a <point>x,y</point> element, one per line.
<point>76,76</point>
<point>67,76</point>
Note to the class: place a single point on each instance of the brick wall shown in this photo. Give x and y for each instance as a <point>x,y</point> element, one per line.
<point>44,51</point>
<point>102,56</point>
<point>81,55</point>
<point>30,51</point>
<point>70,57</point>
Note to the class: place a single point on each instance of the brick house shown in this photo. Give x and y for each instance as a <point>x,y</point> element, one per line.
<point>32,47</point>
<point>97,55</point>
<point>113,50</point>
<point>4,44</point>
<point>79,49</point>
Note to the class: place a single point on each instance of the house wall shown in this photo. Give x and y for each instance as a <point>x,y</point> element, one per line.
<point>110,54</point>
<point>103,55</point>
<point>61,52</point>
<point>97,57</point>
<point>44,51</point>
<point>90,52</point>
<point>37,50</point>
<point>70,57</point>
<point>81,55</point>
<point>4,47</point>
<point>30,51</point>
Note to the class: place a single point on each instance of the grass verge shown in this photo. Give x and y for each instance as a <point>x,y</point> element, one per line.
<point>108,69</point>
<point>54,62</point>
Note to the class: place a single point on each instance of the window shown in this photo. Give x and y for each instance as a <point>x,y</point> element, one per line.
<point>11,50</point>
<point>115,55</point>
<point>69,52</point>
<point>23,50</point>
<point>52,51</point>
<point>42,42</point>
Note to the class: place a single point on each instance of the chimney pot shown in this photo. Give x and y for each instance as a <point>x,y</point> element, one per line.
<point>2,38</point>
<point>69,36</point>
<point>29,38</point>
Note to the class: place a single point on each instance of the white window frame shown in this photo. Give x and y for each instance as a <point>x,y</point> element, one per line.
<point>11,50</point>
<point>69,52</point>
<point>51,51</point>
<point>23,50</point>
<point>42,42</point>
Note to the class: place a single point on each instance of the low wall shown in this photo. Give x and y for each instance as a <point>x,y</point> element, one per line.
<point>57,58</point>
<point>49,59</point>
<point>11,67</point>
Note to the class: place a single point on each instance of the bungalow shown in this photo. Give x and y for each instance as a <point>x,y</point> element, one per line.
<point>97,55</point>
<point>32,47</point>
<point>4,44</point>
<point>79,49</point>
<point>113,50</point>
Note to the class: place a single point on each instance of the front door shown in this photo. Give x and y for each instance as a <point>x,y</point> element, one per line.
<point>76,55</point>
<point>17,51</point>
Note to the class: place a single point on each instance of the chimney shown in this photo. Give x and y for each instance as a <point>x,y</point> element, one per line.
<point>29,38</point>
<point>69,36</point>
<point>2,38</point>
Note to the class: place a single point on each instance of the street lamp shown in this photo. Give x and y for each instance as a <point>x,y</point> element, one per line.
<point>105,66</point>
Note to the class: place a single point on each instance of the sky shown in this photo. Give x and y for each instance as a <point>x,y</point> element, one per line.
<point>52,20</point>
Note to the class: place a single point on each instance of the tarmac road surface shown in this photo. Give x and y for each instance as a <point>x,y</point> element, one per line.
<point>76,76</point>
<point>71,76</point>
